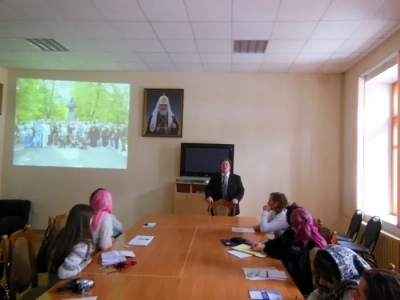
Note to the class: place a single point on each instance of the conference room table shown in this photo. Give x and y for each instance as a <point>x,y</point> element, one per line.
<point>185,260</point>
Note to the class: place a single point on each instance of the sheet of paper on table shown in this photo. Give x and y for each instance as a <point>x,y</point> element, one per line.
<point>242,229</point>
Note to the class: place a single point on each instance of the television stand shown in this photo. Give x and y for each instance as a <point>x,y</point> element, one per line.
<point>190,198</point>
<point>191,179</point>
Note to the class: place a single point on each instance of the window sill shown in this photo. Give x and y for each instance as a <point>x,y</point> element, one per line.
<point>388,224</point>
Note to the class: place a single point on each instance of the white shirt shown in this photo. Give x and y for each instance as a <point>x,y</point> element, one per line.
<point>102,237</point>
<point>273,222</point>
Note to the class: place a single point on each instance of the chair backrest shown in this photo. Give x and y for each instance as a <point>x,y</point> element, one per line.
<point>371,233</point>
<point>222,207</point>
<point>18,252</point>
<point>59,222</point>
<point>355,225</point>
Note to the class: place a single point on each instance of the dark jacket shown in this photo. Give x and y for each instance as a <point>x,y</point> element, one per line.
<point>235,189</point>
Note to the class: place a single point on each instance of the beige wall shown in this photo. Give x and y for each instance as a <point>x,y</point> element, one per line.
<point>285,127</point>
<point>349,170</point>
<point>3,80</point>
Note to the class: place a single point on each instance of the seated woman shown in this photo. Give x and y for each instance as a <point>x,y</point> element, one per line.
<point>72,249</point>
<point>378,285</point>
<point>273,218</point>
<point>102,225</point>
<point>338,271</point>
<point>117,225</point>
<point>285,248</point>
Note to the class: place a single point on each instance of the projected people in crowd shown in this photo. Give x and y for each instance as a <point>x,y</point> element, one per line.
<point>162,120</point>
<point>71,114</point>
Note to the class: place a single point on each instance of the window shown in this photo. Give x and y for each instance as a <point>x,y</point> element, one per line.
<point>394,147</point>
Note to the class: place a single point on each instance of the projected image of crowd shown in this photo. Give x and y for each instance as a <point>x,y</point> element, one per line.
<point>74,134</point>
<point>71,124</point>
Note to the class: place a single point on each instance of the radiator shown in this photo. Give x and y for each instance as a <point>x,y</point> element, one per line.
<point>387,250</point>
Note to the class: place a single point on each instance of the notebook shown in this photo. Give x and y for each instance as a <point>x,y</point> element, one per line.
<point>246,249</point>
<point>264,274</point>
<point>141,240</point>
<point>238,254</point>
<point>113,257</point>
<point>149,225</point>
<point>264,295</point>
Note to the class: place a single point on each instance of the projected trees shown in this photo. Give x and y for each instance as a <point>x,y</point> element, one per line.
<point>47,100</point>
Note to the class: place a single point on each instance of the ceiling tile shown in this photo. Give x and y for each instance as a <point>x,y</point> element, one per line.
<point>7,13</point>
<point>179,46</point>
<point>79,45</point>
<point>373,29</point>
<point>275,67</point>
<point>388,10</point>
<point>341,10</point>
<point>189,67</point>
<point>3,31</point>
<point>209,58</point>
<point>247,58</point>
<point>217,67</point>
<point>335,29</point>
<point>252,31</point>
<point>119,10</point>
<point>304,10</point>
<point>95,29</point>
<point>255,10</point>
<point>134,30</point>
<point>322,46</point>
<point>13,44</point>
<point>333,68</point>
<point>134,67</point>
<point>293,30</point>
<point>192,58</point>
<point>311,58</point>
<point>161,67</point>
<point>109,66</point>
<point>42,29</point>
<point>173,30</point>
<point>154,57</point>
<point>164,10</point>
<point>77,10</point>
<point>86,66</point>
<point>209,10</point>
<point>245,67</point>
<point>270,58</point>
<point>342,58</point>
<point>285,46</point>
<point>212,31</point>
<point>110,45</point>
<point>358,45</point>
<point>213,46</point>
<point>33,10</point>
<point>304,68</point>
<point>124,57</point>
<point>145,45</point>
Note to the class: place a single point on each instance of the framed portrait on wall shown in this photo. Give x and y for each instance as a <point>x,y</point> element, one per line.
<point>162,113</point>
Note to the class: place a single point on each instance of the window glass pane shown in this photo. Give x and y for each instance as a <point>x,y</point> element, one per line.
<point>394,182</point>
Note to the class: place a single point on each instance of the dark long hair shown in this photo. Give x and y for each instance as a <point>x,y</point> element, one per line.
<point>77,230</point>
<point>326,267</point>
<point>382,284</point>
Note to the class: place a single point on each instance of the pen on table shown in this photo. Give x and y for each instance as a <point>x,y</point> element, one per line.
<point>266,273</point>
<point>145,224</point>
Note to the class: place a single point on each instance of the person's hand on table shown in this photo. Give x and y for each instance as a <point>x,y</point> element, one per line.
<point>235,201</point>
<point>256,228</point>
<point>210,200</point>
<point>257,246</point>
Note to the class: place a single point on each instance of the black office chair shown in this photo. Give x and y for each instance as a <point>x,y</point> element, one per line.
<point>354,228</point>
<point>368,240</point>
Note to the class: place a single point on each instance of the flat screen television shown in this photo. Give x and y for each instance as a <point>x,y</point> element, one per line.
<point>203,160</point>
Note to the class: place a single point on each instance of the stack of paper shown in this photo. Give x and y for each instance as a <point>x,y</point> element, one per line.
<point>114,257</point>
<point>264,295</point>
<point>141,240</point>
<point>241,229</point>
<point>247,249</point>
<point>239,254</point>
<point>264,274</point>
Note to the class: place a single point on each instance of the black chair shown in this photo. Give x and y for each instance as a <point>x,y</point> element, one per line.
<point>368,240</point>
<point>14,215</point>
<point>354,228</point>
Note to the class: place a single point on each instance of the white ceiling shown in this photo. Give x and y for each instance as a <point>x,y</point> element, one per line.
<point>194,35</point>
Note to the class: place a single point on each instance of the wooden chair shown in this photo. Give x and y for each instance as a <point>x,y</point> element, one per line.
<point>222,207</point>
<point>58,222</point>
<point>19,256</point>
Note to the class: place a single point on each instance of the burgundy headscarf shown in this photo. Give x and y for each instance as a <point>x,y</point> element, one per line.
<point>302,220</point>
<point>101,204</point>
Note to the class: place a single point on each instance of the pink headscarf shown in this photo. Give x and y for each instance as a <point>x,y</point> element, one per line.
<point>101,204</point>
<point>302,220</point>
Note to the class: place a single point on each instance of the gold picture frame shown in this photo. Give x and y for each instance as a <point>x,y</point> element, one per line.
<point>163,113</point>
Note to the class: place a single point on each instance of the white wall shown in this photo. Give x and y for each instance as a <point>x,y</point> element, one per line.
<point>349,170</point>
<point>3,80</point>
<point>285,127</point>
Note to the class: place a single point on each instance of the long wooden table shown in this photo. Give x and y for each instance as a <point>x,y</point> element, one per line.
<point>186,260</point>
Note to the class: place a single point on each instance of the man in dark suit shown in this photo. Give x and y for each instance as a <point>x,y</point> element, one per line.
<point>225,186</point>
